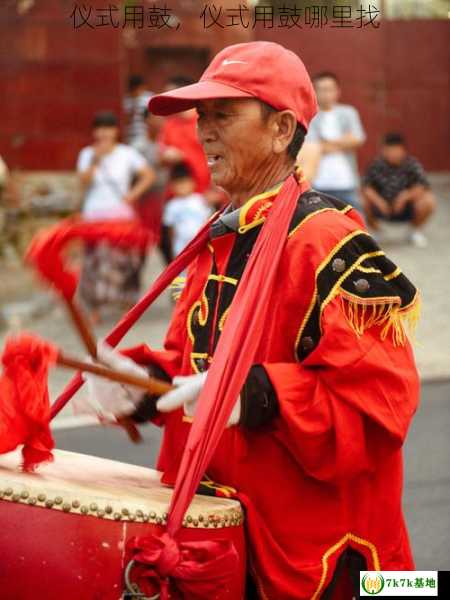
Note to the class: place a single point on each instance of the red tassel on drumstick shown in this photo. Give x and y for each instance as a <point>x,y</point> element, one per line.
<point>24,400</point>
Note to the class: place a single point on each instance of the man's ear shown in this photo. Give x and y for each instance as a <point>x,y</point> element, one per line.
<point>284,126</point>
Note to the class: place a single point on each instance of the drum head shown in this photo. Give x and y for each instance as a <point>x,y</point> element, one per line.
<point>89,485</point>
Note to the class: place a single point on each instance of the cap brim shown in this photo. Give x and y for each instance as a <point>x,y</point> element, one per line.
<point>186,97</point>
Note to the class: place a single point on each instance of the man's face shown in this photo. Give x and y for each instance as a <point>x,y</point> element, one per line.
<point>327,92</point>
<point>394,154</point>
<point>237,141</point>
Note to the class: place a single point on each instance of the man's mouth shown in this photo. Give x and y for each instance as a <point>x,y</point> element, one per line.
<point>213,159</point>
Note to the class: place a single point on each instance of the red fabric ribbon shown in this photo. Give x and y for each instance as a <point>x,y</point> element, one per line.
<point>197,570</point>
<point>24,401</point>
<point>236,349</point>
<point>46,250</point>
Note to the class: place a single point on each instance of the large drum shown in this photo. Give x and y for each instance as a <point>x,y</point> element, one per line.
<point>64,529</point>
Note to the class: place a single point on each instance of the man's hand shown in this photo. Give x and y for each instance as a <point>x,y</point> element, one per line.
<point>108,399</point>
<point>376,200</point>
<point>129,198</point>
<point>400,201</point>
<point>186,395</point>
<point>347,142</point>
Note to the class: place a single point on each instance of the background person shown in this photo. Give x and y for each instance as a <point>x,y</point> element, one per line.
<point>150,205</point>
<point>186,212</point>
<point>134,105</point>
<point>180,145</point>
<point>106,171</point>
<point>338,132</point>
<point>396,189</point>
<point>180,140</point>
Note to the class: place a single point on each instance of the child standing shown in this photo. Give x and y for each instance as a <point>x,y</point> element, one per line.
<point>187,211</point>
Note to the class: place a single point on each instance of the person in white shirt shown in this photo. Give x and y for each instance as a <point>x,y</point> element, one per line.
<point>113,177</point>
<point>187,211</point>
<point>134,104</point>
<point>337,131</point>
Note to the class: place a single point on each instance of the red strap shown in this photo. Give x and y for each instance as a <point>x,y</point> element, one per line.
<point>236,349</point>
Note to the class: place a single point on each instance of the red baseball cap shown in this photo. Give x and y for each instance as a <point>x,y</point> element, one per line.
<point>262,70</point>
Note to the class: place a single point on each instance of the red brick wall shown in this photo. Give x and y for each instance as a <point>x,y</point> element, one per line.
<point>54,78</point>
<point>189,49</point>
<point>397,76</point>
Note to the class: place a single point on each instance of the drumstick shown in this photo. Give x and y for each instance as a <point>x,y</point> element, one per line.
<point>88,338</point>
<point>82,326</point>
<point>153,386</point>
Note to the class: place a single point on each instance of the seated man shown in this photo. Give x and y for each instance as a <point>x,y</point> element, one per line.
<point>395,188</point>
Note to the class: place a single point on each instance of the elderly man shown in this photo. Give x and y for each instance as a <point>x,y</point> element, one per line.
<point>313,445</point>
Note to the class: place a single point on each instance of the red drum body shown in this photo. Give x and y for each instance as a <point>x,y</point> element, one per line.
<point>64,529</point>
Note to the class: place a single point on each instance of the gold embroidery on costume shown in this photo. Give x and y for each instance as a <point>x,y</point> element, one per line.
<point>223,318</point>
<point>373,292</point>
<point>343,211</point>
<point>226,490</point>
<point>319,269</point>
<point>197,356</point>
<point>246,216</point>
<point>349,537</point>
<point>177,287</point>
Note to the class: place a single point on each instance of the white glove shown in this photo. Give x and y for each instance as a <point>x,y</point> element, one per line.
<point>186,395</point>
<point>109,399</point>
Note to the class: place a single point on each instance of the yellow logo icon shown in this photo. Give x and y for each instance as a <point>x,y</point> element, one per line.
<point>372,584</point>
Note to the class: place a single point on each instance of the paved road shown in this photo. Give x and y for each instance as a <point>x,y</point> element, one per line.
<point>427,470</point>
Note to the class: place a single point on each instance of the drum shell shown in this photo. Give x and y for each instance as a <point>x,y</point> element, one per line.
<point>51,554</point>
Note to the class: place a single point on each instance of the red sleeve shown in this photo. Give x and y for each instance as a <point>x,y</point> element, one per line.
<point>349,401</point>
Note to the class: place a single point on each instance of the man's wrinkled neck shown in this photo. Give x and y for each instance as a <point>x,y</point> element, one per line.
<point>265,182</point>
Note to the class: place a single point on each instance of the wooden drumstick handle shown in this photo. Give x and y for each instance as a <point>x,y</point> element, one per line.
<point>82,327</point>
<point>153,386</point>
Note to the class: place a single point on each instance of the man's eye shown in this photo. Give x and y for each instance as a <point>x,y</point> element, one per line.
<point>221,115</point>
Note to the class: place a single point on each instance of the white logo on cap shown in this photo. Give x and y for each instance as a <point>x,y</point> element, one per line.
<point>233,62</point>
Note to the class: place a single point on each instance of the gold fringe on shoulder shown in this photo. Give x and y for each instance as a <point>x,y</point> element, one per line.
<point>386,313</point>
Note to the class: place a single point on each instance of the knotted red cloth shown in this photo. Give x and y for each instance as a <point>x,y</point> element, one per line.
<point>46,250</point>
<point>24,401</point>
<point>198,570</point>
<point>233,358</point>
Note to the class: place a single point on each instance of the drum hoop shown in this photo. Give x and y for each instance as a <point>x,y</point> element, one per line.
<point>132,588</point>
<point>212,521</point>
<point>53,489</point>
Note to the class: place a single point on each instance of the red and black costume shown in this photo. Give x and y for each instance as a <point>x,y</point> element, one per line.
<point>316,460</point>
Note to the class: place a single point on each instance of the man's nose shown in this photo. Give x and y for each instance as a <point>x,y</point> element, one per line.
<point>206,130</point>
